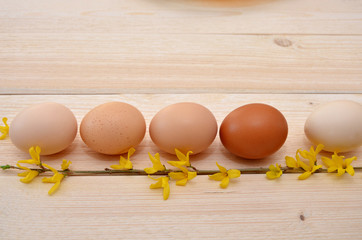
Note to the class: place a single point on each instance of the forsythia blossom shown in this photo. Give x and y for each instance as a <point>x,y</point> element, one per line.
<point>275,171</point>
<point>224,175</point>
<point>339,164</point>
<point>309,168</point>
<point>28,175</point>
<point>65,164</point>
<point>157,165</point>
<point>4,129</point>
<point>35,156</point>
<point>125,163</point>
<point>184,160</point>
<point>182,177</point>
<point>162,182</point>
<point>56,179</point>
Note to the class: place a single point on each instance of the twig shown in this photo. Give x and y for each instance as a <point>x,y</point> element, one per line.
<point>139,172</point>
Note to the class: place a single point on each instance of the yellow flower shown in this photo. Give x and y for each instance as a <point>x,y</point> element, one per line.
<point>65,164</point>
<point>275,171</point>
<point>224,175</point>
<point>4,129</point>
<point>28,175</point>
<point>157,165</point>
<point>183,176</point>
<point>291,162</point>
<point>340,164</point>
<point>184,160</point>
<point>35,156</point>
<point>125,163</point>
<point>312,154</point>
<point>162,182</point>
<point>309,170</point>
<point>56,178</point>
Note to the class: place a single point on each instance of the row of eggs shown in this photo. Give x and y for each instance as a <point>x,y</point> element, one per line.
<point>252,131</point>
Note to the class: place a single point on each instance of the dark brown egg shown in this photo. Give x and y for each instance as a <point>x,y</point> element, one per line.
<point>254,131</point>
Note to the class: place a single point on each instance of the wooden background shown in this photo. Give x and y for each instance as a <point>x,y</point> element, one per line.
<point>292,54</point>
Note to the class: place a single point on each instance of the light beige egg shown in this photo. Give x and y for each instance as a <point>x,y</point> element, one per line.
<point>186,126</point>
<point>337,125</point>
<point>51,126</point>
<point>113,128</point>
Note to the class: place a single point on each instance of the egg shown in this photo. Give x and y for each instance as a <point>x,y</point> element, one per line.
<point>337,125</point>
<point>51,126</point>
<point>113,128</point>
<point>186,126</point>
<point>254,131</point>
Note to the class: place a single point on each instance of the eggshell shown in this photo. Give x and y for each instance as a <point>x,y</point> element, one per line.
<point>51,126</point>
<point>113,128</point>
<point>337,125</point>
<point>186,126</point>
<point>254,131</point>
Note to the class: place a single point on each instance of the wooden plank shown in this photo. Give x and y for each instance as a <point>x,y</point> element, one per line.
<point>323,207</point>
<point>178,16</point>
<point>295,107</point>
<point>82,63</point>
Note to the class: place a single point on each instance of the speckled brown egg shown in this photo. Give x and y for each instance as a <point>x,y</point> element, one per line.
<point>113,128</point>
<point>51,126</point>
<point>254,131</point>
<point>186,126</point>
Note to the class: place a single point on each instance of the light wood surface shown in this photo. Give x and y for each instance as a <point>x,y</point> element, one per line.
<point>291,54</point>
<point>180,46</point>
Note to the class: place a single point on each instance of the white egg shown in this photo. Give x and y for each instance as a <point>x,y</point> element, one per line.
<point>337,125</point>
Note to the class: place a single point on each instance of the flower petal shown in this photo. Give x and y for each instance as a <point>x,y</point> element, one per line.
<point>182,157</point>
<point>65,164</point>
<point>149,170</point>
<point>29,177</point>
<point>304,175</point>
<point>51,168</point>
<point>328,162</point>
<point>332,169</point>
<point>319,148</point>
<point>177,175</point>
<point>177,164</point>
<point>341,171</point>
<point>221,168</point>
<point>291,162</point>
<point>22,167</point>
<point>35,154</point>
<point>166,191</point>
<point>350,160</point>
<point>117,167</point>
<point>350,170</point>
<point>181,182</point>
<point>271,175</point>
<point>130,152</point>
<point>217,176</point>
<point>158,184</point>
<point>54,188</point>
<point>233,173</point>
<point>225,182</point>
<point>315,168</point>
<point>47,180</point>
<point>191,175</point>
<point>157,162</point>
<point>4,129</point>
<point>304,166</point>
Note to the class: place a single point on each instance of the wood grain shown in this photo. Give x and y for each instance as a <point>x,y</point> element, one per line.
<point>323,207</point>
<point>47,49</point>
<point>292,54</point>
